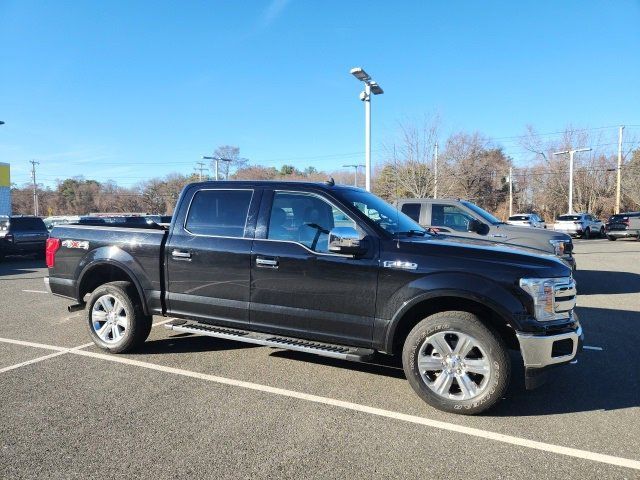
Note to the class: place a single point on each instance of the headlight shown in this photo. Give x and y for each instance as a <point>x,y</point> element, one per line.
<point>558,246</point>
<point>553,298</point>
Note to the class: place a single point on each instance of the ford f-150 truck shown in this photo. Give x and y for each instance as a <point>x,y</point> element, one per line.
<point>330,270</point>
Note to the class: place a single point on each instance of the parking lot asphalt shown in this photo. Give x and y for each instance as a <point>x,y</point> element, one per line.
<point>185,405</point>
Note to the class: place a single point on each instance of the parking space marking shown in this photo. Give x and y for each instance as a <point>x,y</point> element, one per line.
<point>32,361</point>
<point>475,432</point>
<point>589,347</point>
<point>35,291</point>
<point>162,322</point>
<point>451,427</point>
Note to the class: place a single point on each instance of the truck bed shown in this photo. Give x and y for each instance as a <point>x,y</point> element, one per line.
<point>138,250</point>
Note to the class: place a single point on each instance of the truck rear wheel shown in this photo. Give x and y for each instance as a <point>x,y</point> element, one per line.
<point>115,317</point>
<point>455,363</point>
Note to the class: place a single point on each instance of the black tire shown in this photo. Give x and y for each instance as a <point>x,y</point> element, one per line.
<point>611,238</point>
<point>587,234</point>
<point>602,234</point>
<point>138,324</point>
<point>492,347</point>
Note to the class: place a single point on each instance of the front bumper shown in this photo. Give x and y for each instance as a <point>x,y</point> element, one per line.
<point>542,352</point>
<point>621,233</point>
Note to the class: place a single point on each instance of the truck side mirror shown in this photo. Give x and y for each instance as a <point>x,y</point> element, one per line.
<point>345,240</point>
<point>476,226</point>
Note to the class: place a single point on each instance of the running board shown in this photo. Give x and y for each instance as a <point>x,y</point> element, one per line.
<point>354,354</point>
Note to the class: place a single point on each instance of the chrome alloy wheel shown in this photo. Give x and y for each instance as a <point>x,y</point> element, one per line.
<point>454,365</point>
<point>109,319</point>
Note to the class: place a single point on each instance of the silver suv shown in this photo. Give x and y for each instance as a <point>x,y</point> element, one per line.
<point>579,225</point>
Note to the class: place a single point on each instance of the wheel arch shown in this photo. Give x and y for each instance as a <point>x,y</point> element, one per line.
<point>104,271</point>
<point>488,311</point>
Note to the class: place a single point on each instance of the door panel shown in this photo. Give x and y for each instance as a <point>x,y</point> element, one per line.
<point>208,257</point>
<point>300,289</point>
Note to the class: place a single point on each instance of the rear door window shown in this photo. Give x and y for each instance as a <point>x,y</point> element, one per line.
<point>221,213</point>
<point>412,210</point>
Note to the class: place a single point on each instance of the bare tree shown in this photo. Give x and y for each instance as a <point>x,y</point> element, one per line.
<point>232,153</point>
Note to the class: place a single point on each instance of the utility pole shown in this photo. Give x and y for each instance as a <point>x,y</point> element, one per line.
<point>217,160</point>
<point>571,153</point>
<point>35,191</point>
<point>200,168</point>
<point>354,166</point>
<point>618,180</point>
<point>510,191</point>
<point>435,171</point>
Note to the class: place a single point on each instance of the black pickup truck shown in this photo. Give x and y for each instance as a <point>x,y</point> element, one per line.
<point>330,270</point>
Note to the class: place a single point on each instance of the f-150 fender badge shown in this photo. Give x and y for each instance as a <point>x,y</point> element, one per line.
<point>84,245</point>
<point>400,265</point>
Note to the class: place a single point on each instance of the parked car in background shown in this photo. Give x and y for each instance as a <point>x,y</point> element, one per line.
<point>51,222</point>
<point>114,221</point>
<point>582,225</point>
<point>623,225</point>
<point>22,236</point>
<point>527,220</point>
<point>459,218</point>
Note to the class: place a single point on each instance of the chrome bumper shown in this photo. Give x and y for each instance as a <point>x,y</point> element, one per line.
<point>46,284</point>
<point>538,350</point>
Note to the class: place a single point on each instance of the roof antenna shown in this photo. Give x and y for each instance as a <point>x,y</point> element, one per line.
<point>395,167</point>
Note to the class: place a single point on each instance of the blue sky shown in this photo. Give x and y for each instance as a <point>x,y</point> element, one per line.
<point>129,90</point>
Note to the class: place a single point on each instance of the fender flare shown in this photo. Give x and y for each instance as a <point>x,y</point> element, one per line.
<point>99,260</point>
<point>505,304</point>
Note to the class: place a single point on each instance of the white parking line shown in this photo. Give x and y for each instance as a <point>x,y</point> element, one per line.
<point>589,347</point>
<point>32,361</point>
<point>35,291</point>
<point>451,427</point>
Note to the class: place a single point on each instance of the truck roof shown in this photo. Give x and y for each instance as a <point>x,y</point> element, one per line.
<point>328,185</point>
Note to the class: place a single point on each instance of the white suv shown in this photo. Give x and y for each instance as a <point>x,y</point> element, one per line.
<point>579,225</point>
<point>526,220</point>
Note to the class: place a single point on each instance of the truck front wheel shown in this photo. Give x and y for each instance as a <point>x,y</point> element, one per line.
<point>455,363</point>
<point>115,317</point>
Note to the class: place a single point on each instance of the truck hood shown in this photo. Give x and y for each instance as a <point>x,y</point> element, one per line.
<point>487,255</point>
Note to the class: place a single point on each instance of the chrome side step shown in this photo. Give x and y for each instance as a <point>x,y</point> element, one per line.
<point>354,354</point>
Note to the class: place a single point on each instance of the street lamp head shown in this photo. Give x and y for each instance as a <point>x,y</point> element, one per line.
<point>376,89</point>
<point>360,74</point>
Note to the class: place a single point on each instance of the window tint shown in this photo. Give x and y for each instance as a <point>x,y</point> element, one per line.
<point>306,219</point>
<point>219,212</point>
<point>27,223</point>
<point>449,216</point>
<point>520,217</point>
<point>412,210</point>
<point>569,217</point>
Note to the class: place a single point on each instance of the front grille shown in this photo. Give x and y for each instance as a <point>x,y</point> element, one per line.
<point>564,296</point>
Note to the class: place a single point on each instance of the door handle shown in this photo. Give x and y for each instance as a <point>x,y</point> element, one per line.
<point>181,254</point>
<point>266,262</point>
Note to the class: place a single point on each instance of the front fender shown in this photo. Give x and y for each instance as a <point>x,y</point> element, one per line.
<point>114,256</point>
<point>460,285</point>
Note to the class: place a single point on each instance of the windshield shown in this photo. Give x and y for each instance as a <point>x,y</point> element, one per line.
<point>569,217</point>
<point>483,213</point>
<point>381,213</point>
<point>519,217</point>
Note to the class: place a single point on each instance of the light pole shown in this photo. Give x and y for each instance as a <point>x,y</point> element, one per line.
<point>217,160</point>
<point>355,166</point>
<point>571,152</point>
<point>369,87</point>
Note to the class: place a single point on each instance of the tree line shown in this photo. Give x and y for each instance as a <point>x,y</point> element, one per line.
<point>469,166</point>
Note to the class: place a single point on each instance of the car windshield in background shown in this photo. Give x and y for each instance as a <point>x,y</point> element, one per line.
<point>569,218</point>
<point>483,213</point>
<point>519,217</point>
<point>381,213</point>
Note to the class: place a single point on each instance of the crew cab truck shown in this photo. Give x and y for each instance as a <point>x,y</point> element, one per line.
<point>330,270</point>
<point>461,218</point>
